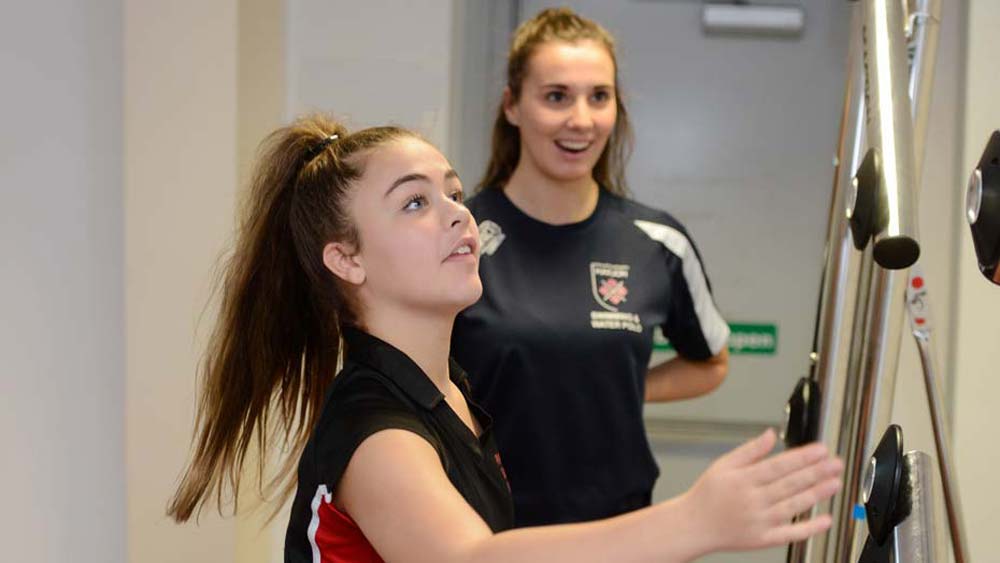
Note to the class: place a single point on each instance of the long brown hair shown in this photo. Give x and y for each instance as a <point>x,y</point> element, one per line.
<point>557,24</point>
<point>274,349</point>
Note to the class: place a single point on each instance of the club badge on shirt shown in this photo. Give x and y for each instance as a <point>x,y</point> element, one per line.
<point>609,288</point>
<point>607,281</point>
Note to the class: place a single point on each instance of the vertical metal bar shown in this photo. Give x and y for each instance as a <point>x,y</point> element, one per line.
<point>847,433</point>
<point>917,538</point>
<point>889,119</point>
<point>875,393</point>
<point>838,293</point>
<point>889,122</point>
<point>925,23</point>
<point>842,260</point>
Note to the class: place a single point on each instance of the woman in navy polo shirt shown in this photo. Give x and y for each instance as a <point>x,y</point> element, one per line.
<point>359,244</point>
<point>576,278</point>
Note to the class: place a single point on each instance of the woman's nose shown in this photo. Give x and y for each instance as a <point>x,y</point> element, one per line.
<point>581,116</point>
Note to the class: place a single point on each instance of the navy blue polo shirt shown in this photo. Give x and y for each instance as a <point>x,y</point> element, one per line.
<point>559,344</point>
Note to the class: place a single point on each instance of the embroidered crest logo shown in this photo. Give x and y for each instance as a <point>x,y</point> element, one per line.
<point>607,282</point>
<point>490,237</point>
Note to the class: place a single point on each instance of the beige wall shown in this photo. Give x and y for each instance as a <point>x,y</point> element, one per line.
<point>978,335</point>
<point>180,126</point>
<point>261,103</point>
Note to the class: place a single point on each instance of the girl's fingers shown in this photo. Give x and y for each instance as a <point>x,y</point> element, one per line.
<point>804,500</point>
<point>786,463</point>
<point>802,479</point>
<point>749,452</point>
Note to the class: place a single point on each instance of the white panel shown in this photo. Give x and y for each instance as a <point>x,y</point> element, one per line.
<point>372,62</point>
<point>61,305</point>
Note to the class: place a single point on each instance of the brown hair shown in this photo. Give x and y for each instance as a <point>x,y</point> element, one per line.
<point>557,24</point>
<point>275,345</point>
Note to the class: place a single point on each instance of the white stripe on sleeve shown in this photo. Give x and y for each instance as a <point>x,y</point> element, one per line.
<point>713,326</point>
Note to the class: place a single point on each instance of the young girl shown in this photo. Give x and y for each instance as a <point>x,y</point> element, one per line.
<point>358,243</point>
<point>576,278</point>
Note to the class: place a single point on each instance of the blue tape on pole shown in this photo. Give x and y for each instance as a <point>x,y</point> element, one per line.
<point>859,512</point>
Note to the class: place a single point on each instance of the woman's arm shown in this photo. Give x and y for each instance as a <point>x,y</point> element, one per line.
<point>400,496</point>
<point>680,378</point>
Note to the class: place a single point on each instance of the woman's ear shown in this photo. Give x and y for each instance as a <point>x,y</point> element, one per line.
<point>344,262</point>
<point>510,109</point>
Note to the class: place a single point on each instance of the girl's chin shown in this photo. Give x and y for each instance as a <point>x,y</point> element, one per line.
<point>469,296</point>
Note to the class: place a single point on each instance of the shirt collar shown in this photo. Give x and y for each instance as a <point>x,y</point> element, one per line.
<point>391,362</point>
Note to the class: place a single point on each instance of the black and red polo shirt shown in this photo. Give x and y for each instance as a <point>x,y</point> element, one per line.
<point>380,388</point>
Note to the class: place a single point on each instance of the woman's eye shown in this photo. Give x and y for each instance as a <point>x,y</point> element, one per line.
<point>602,96</point>
<point>555,97</point>
<point>414,203</point>
<point>458,197</point>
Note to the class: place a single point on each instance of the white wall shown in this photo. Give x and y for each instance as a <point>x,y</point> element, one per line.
<point>978,332</point>
<point>61,296</point>
<point>373,62</point>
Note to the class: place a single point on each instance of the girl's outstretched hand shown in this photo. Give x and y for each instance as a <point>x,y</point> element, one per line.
<point>746,500</point>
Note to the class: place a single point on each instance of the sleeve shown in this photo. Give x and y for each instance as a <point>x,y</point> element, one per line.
<point>694,324</point>
<point>360,409</point>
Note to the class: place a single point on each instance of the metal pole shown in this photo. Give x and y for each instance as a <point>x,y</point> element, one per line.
<point>875,393</point>
<point>854,364</point>
<point>923,23</point>
<point>839,283</point>
<point>916,538</point>
<point>889,122</point>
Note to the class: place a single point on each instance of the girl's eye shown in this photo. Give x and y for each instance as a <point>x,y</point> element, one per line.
<point>414,203</point>
<point>458,196</point>
<point>602,96</point>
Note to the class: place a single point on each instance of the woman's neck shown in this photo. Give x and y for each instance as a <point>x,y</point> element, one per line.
<point>549,200</point>
<point>426,339</point>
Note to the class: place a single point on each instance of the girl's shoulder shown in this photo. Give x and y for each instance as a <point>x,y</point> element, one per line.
<point>362,395</point>
<point>362,402</point>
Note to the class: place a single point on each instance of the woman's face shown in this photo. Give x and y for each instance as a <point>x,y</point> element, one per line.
<point>566,110</point>
<point>418,243</point>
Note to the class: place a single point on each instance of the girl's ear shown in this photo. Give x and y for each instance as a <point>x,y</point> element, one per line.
<point>344,262</point>
<point>510,109</point>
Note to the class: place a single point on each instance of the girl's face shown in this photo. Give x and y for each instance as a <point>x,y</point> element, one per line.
<point>419,246</point>
<point>566,110</point>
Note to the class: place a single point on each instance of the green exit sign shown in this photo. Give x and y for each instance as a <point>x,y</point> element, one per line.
<point>744,338</point>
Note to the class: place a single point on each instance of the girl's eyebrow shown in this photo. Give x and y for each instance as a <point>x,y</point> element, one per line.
<point>417,177</point>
